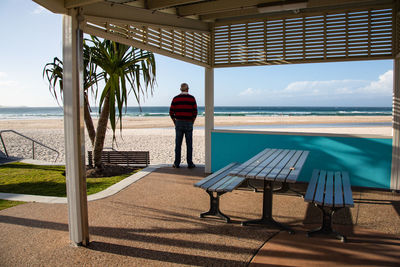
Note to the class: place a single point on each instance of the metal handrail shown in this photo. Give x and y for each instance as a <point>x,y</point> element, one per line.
<point>26,137</point>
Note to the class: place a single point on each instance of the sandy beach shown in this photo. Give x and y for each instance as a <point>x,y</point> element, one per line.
<point>156,134</point>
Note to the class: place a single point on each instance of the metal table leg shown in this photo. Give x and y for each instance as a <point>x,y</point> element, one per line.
<point>326,227</point>
<point>214,207</point>
<point>266,218</point>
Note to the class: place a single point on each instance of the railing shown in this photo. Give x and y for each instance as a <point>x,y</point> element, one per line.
<point>26,137</point>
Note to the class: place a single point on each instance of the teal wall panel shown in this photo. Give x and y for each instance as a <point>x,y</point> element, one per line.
<point>368,160</point>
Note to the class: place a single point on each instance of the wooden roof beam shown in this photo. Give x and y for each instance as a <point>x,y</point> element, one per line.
<point>229,14</point>
<point>55,6</point>
<point>219,6</point>
<point>323,3</point>
<point>140,15</point>
<point>79,3</point>
<point>161,4</point>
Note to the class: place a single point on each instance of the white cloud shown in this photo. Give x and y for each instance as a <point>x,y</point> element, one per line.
<point>249,92</point>
<point>324,87</point>
<point>346,92</point>
<point>384,85</point>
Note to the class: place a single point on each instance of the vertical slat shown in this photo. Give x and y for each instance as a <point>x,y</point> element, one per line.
<point>347,194</point>
<point>319,194</point>
<point>265,40</point>
<point>284,38</point>
<point>395,173</point>
<point>312,185</point>
<point>350,34</point>
<point>325,37</point>
<point>209,115</point>
<point>338,190</point>
<point>74,135</point>
<point>329,190</point>
<point>369,33</point>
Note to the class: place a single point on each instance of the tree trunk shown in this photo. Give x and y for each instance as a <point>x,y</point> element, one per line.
<point>101,134</point>
<point>89,122</point>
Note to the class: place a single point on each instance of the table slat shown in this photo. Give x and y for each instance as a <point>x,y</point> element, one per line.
<point>264,174</point>
<point>264,163</point>
<point>255,163</point>
<point>281,165</point>
<point>285,172</point>
<point>244,165</point>
<point>294,174</point>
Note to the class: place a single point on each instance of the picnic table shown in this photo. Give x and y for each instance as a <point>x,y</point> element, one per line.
<point>270,166</point>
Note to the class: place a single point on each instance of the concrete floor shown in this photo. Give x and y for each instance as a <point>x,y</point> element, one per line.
<point>155,222</point>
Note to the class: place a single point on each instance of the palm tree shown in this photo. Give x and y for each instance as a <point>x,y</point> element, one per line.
<point>54,73</point>
<point>124,69</point>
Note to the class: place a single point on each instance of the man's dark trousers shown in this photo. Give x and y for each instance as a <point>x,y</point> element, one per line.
<point>183,128</point>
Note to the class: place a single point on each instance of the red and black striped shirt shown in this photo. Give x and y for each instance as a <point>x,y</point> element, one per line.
<point>183,107</point>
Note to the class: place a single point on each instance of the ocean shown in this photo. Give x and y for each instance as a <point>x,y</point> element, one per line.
<point>17,113</point>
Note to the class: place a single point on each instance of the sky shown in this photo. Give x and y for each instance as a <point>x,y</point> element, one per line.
<point>32,37</point>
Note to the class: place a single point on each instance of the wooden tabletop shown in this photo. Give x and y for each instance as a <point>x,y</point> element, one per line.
<point>281,165</point>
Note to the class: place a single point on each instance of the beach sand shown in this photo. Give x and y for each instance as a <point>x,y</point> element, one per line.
<point>156,134</point>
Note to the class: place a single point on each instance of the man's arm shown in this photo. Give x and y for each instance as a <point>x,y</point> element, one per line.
<point>172,111</point>
<point>194,110</point>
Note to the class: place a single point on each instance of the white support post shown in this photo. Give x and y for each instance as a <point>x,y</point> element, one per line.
<point>209,115</point>
<point>74,129</point>
<point>395,175</point>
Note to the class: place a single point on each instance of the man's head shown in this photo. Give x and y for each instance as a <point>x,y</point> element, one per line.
<point>184,87</point>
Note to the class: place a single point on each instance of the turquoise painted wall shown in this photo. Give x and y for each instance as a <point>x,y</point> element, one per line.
<point>368,160</point>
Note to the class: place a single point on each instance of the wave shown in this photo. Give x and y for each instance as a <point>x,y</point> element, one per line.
<point>57,112</point>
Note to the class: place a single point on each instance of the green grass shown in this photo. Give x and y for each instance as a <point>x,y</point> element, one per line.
<point>21,178</point>
<point>5,204</point>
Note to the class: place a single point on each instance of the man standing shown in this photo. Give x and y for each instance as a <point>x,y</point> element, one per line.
<point>183,112</point>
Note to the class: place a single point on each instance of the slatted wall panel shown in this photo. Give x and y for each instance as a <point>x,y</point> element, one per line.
<point>328,37</point>
<point>180,44</point>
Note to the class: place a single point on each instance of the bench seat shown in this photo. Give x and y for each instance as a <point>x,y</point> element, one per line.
<point>329,191</point>
<point>218,184</point>
<point>129,158</point>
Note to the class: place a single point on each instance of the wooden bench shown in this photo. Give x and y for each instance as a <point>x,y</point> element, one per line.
<point>330,191</point>
<point>219,183</point>
<point>130,158</point>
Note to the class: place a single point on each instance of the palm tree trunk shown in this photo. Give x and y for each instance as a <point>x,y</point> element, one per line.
<point>89,122</point>
<point>101,134</point>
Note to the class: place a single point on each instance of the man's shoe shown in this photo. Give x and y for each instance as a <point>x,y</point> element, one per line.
<point>191,166</point>
<point>175,166</point>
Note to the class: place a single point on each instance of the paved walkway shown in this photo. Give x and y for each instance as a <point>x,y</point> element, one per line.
<point>154,222</point>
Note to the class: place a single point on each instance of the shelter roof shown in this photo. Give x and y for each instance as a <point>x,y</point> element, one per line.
<point>225,33</point>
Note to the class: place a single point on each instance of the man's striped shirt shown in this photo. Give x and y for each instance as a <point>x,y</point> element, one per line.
<point>183,107</point>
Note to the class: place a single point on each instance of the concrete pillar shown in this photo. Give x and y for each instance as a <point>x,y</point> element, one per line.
<point>395,176</point>
<point>209,115</point>
<point>74,129</point>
